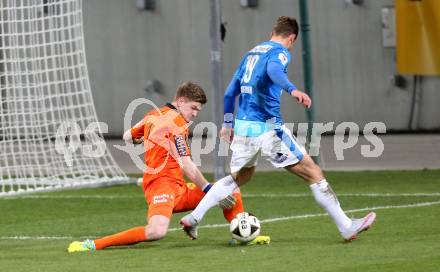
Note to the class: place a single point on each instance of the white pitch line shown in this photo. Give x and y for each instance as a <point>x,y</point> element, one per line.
<point>284,218</point>
<point>35,238</point>
<point>24,237</point>
<point>244,195</point>
<point>415,205</point>
<point>346,194</point>
<point>269,220</point>
<point>73,197</point>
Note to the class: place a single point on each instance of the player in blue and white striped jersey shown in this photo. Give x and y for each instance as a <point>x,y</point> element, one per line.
<point>259,82</point>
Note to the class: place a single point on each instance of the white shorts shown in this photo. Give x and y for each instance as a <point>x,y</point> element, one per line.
<point>279,147</point>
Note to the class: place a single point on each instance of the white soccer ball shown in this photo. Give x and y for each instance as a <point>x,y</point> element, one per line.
<point>245,227</point>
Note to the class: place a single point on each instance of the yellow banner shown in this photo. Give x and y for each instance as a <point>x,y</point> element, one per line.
<point>418,37</point>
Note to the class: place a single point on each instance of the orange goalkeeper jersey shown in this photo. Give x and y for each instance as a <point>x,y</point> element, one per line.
<point>165,133</point>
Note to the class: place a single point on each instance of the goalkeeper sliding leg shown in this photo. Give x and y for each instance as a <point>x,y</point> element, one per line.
<point>180,199</point>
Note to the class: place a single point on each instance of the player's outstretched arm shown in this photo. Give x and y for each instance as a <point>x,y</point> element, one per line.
<point>135,134</point>
<point>276,73</point>
<point>226,134</point>
<point>231,93</point>
<point>302,98</point>
<point>193,173</point>
<point>128,138</point>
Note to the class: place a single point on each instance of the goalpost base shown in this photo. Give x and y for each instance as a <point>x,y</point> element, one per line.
<point>69,185</point>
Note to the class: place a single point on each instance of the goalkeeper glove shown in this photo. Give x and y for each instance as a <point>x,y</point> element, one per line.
<point>137,141</point>
<point>227,202</point>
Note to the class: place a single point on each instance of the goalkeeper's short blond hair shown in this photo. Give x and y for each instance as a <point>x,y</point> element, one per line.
<point>192,92</point>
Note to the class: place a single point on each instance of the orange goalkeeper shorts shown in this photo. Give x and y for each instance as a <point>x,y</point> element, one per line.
<point>165,196</point>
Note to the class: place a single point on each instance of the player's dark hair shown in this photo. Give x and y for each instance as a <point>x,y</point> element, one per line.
<point>192,92</point>
<point>285,26</point>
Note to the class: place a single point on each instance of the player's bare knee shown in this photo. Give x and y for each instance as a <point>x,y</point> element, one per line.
<point>156,235</point>
<point>156,232</point>
<point>316,174</point>
<point>307,169</point>
<point>244,175</point>
<point>313,171</point>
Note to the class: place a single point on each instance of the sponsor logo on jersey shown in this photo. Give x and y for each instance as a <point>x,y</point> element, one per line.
<point>246,89</point>
<point>181,145</point>
<point>283,58</point>
<point>261,49</point>
<point>163,198</point>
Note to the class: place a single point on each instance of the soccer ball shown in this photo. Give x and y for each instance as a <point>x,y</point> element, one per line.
<point>245,227</point>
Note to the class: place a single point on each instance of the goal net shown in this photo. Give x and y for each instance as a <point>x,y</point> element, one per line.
<point>49,135</point>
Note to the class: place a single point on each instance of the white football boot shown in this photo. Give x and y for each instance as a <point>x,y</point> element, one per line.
<point>358,226</point>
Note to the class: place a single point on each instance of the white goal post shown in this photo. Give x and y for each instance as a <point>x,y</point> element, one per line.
<point>48,128</point>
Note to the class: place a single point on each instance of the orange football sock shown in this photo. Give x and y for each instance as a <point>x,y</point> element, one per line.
<point>229,214</point>
<point>128,237</point>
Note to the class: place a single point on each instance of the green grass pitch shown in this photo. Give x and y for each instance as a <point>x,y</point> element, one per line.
<point>36,230</point>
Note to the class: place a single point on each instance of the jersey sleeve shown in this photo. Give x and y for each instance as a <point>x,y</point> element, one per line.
<point>182,147</point>
<point>232,91</point>
<point>277,69</point>
<point>280,56</point>
<point>276,73</point>
<point>179,137</point>
<point>138,130</point>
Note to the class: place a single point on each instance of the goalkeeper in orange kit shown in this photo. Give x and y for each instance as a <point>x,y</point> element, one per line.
<point>167,159</point>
